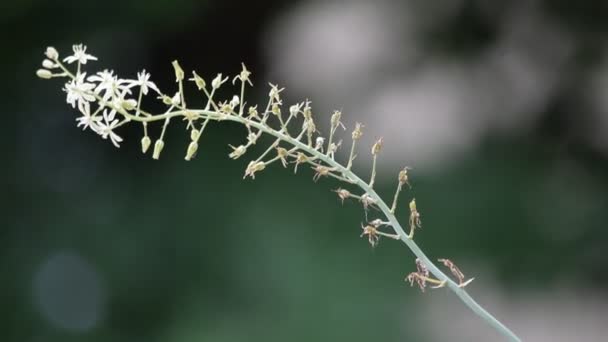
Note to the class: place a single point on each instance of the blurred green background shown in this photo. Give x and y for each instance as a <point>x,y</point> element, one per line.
<point>100,244</point>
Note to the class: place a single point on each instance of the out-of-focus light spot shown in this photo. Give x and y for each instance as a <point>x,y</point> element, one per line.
<point>68,292</point>
<point>367,59</point>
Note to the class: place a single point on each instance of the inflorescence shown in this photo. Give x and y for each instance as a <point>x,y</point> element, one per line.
<point>106,102</point>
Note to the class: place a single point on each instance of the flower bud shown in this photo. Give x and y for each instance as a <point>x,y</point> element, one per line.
<point>235,101</point>
<point>158,147</point>
<point>47,63</point>
<point>194,134</point>
<point>179,72</point>
<point>51,53</point>
<point>129,104</point>
<point>192,148</point>
<point>145,144</point>
<point>44,74</point>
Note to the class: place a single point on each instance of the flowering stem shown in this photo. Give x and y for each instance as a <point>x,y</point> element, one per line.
<point>331,168</point>
<point>353,179</point>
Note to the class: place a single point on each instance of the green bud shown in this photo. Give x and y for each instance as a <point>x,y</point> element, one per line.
<point>194,134</point>
<point>192,148</point>
<point>145,144</point>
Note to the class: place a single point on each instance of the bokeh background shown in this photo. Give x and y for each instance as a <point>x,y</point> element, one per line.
<point>500,107</point>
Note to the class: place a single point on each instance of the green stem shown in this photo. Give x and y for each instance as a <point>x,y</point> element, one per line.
<point>453,286</point>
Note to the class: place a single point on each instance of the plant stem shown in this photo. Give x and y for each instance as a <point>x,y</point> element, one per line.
<point>453,286</point>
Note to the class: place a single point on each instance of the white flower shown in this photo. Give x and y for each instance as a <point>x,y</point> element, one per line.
<point>109,85</point>
<point>88,120</point>
<point>143,81</point>
<point>79,55</point>
<point>79,92</point>
<point>105,128</point>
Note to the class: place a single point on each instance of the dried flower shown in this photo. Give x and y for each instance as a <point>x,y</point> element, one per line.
<point>415,221</point>
<point>377,147</point>
<point>358,132</point>
<point>342,194</point>
<point>254,167</point>
<point>320,171</point>
<point>237,152</point>
<point>372,235</point>
<point>455,272</point>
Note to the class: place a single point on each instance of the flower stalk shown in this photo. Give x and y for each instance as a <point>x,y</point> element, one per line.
<point>115,108</point>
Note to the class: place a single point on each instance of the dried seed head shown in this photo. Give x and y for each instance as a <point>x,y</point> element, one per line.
<point>254,167</point>
<point>377,147</point>
<point>335,119</point>
<point>418,278</point>
<point>367,201</point>
<point>307,111</point>
<point>310,126</point>
<point>237,151</point>
<point>358,132</point>
<point>415,221</point>
<point>300,158</point>
<point>403,176</point>
<point>453,269</point>
<point>320,171</point>
<point>282,153</point>
<point>342,194</point>
<point>372,234</point>
<point>421,267</point>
